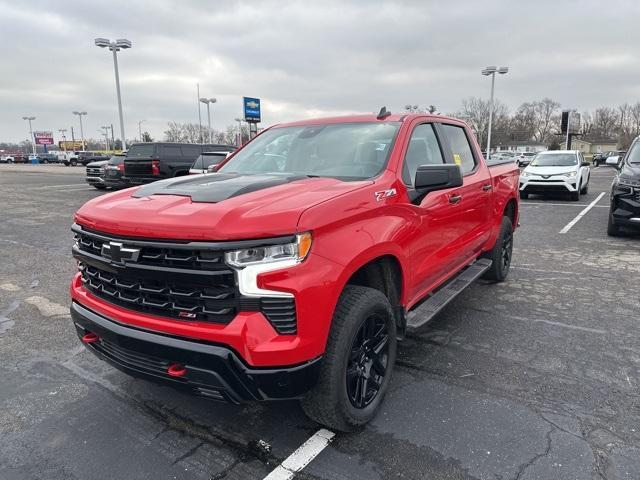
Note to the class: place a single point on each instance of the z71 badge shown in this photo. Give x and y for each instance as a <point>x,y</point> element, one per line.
<point>385,194</point>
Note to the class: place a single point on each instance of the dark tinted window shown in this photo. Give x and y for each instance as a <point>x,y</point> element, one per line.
<point>116,160</point>
<point>460,147</point>
<point>170,151</point>
<point>140,151</point>
<point>423,150</point>
<point>191,150</point>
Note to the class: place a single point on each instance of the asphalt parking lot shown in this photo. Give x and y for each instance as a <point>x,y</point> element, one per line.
<point>535,378</point>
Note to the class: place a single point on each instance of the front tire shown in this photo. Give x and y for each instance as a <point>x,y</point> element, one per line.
<point>585,189</point>
<point>613,230</point>
<point>501,253</point>
<point>575,196</point>
<point>358,361</point>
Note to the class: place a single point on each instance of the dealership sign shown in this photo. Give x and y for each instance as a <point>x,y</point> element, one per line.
<point>251,109</point>
<point>43,138</point>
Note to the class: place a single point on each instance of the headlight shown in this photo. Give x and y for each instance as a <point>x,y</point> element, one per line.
<point>525,174</point>
<point>570,174</point>
<point>296,251</point>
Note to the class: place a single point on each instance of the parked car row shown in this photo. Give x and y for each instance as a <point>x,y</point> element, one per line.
<point>148,162</point>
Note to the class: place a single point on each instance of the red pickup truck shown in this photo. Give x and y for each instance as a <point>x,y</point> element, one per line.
<point>292,272</point>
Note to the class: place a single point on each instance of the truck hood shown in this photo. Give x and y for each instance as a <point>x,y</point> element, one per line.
<point>212,207</point>
<point>550,170</point>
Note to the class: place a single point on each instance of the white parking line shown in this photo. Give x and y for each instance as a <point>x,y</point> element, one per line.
<point>47,187</point>
<point>568,226</point>
<point>560,204</point>
<point>302,456</point>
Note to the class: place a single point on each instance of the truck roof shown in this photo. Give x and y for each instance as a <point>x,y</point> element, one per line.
<point>394,117</point>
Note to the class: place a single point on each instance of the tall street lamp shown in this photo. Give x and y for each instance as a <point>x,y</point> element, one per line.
<point>140,128</point>
<point>105,132</point>
<point>208,101</point>
<point>33,140</point>
<point>121,43</point>
<point>239,120</point>
<point>491,70</point>
<point>80,114</point>
<point>63,132</point>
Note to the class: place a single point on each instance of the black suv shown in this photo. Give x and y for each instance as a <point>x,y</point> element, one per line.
<point>148,162</point>
<point>625,193</point>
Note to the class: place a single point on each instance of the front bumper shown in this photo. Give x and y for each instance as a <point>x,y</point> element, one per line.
<point>212,371</point>
<point>95,180</point>
<point>625,206</point>
<point>557,184</point>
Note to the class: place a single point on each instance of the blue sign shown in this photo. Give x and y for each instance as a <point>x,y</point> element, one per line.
<point>251,109</point>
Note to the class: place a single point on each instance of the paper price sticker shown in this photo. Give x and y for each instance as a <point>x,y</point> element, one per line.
<point>457,159</point>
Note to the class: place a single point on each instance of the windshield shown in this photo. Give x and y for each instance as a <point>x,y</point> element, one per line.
<point>634,154</point>
<point>555,160</point>
<point>347,151</point>
<point>140,151</point>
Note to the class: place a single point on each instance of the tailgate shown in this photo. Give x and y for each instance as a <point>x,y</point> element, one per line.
<point>140,167</point>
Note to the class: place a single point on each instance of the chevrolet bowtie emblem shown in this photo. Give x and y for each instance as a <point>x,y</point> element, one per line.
<point>117,253</point>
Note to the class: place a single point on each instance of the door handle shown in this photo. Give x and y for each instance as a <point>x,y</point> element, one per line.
<point>486,188</point>
<point>455,199</point>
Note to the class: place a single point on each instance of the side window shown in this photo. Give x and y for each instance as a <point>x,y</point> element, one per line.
<point>170,151</point>
<point>462,154</point>
<point>423,150</point>
<point>198,163</point>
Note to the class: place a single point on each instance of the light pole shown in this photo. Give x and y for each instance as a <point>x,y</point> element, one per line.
<point>33,140</point>
<point>208,101</point>
<point>491,70</point>
<point>105,132</point>
<point>121,43</point>
<point>80,114</point>
<point>239,120</point>
<point>63,132</point>
<point>140,128</point>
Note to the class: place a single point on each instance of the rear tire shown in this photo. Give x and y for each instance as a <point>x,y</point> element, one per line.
<point>74,163</point>
<point>358,361</point>
<point>501,253</point>
<point>613,230</point>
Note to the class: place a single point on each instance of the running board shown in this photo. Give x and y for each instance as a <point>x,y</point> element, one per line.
<point>423,313</point>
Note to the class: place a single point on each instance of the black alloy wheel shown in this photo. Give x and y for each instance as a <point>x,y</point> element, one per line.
<point>507,249</point>
<point>368,361</point>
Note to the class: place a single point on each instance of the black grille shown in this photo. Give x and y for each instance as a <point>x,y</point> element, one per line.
<point>186,281</point>
<point>158,255</point>
<point>213,303</point>
<point>94,171</point>
<point>131,358</point>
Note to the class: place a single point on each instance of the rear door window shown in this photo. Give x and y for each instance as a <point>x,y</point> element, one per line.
<point>460,148</point>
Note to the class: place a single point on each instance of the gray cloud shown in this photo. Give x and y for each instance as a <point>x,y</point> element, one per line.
<point>305,58</point>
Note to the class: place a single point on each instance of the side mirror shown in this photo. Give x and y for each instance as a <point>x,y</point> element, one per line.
<point>585,164</point>
<point>430,178</point>
<point>213,168</point>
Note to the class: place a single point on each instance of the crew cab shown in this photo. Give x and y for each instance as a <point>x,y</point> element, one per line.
<point>293,275</point>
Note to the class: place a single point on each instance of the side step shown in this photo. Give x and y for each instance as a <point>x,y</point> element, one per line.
<point>428,309</point>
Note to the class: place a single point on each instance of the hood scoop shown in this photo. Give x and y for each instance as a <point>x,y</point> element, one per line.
<point>215,187</point>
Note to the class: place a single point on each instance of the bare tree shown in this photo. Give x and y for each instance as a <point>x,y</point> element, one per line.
<point>475,111</point>
<point>547,116</point>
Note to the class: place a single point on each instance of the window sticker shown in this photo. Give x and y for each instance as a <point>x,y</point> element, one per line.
<point>457,159</point>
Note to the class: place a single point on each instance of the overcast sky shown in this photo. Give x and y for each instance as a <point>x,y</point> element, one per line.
<point>305,58</point>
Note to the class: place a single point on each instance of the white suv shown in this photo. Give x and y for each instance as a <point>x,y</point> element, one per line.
<point>556,171</point>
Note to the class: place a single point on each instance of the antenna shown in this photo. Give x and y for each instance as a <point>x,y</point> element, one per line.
<point>384,113</point>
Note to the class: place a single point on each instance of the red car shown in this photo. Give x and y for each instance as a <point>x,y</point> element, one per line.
<point>293,270</point>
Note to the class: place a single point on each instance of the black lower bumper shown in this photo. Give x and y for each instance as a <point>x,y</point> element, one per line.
<point>212,371</point>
